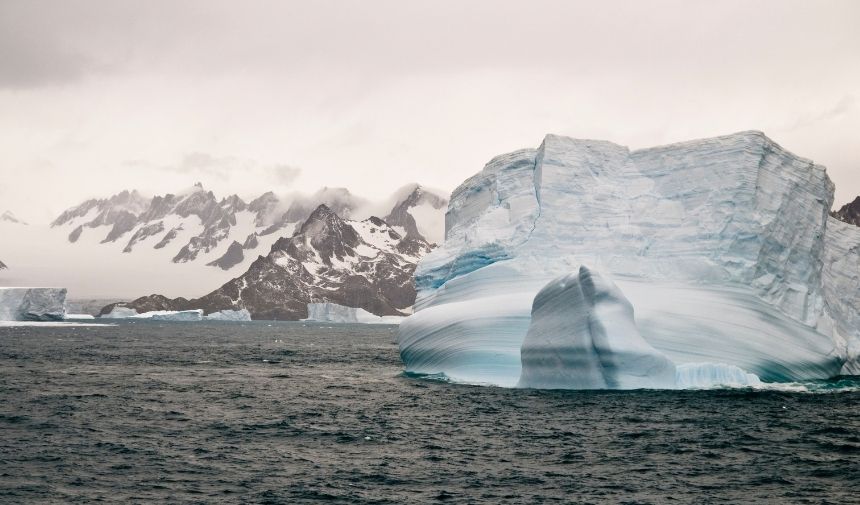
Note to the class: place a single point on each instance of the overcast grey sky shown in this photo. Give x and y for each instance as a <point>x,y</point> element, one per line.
<point>97,96</point>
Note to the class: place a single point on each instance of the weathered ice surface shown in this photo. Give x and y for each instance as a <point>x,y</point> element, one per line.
<point>707,375</point>
<point>334,313</point>
<point>841,280</point>
<point>229,315</point>
<point>182,315</point>
<point>32,304</point>
<point>717,243</point>
<point>583,336</point>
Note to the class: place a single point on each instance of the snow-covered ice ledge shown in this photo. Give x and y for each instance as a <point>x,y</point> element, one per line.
<point>723,247</point>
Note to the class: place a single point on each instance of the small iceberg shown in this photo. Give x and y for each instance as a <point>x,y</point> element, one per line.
<point>334,313</point>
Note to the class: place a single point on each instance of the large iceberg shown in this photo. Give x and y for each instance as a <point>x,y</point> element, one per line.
<point>32,304</point>
<point>723,246</point>
<point>333,313</point>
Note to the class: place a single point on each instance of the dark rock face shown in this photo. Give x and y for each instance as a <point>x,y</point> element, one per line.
<point>849,213</point>
<point>169,236</point>
<point>3,266</point>
<point>76,234</point>
<point>364,264</point>
<point>144,232</point>
<point>123,222</point>
<point>232,257</point>
<point>251,242</point>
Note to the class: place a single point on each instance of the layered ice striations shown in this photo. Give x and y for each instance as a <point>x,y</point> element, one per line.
<point>723,246</point>
<point>583,336</point>
<point>841,280</point>
<point>709,375</point>
<point>32,304</point>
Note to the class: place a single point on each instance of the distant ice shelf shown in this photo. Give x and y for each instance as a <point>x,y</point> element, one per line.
<point>722,248</point>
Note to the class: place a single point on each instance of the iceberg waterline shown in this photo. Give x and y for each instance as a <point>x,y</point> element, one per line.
<point>723,247</point>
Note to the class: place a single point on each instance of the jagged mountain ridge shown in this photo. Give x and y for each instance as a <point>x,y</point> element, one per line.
<point>849,213</point>
<point>199,227</point>
<point>365,264</point>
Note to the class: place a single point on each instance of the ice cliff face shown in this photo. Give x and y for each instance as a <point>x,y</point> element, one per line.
<point>722,246</point>
<point>32,304</point>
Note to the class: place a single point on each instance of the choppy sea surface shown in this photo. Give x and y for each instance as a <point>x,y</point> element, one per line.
<point>147,412</point>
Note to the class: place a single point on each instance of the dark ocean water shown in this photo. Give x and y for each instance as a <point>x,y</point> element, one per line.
<point>286,413</point>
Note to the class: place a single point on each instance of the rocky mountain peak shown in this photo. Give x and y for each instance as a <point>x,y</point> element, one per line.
<point>414,197</point>
<point>849,213</point>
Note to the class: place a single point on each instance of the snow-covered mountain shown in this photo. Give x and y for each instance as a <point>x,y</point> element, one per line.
<point>193,224</point>
<point>178,244</point>
<point>722,247</point>
<point>365,264</point>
